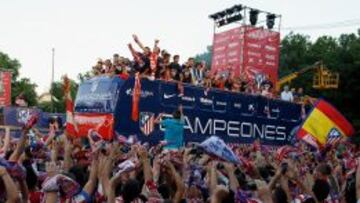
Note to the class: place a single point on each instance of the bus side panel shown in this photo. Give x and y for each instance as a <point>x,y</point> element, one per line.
<point>236,118</point>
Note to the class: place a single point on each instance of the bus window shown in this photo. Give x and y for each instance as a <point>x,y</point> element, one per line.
<point>98,95</point>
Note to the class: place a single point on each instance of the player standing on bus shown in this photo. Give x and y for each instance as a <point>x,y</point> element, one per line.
<point>174,129</point>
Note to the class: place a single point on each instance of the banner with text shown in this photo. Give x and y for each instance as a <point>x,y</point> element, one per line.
<point>246,50</point>
<point>261,53</point>
<point>5,88</point>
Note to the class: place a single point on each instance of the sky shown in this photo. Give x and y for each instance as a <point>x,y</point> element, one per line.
<point>81,31</point>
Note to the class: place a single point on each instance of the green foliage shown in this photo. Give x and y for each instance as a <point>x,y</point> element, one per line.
<point>205,56</point>
<point>23,85</point>
<point>57,90</point>
<point>338,54</point>
<point>84,76</point>
<point>10,64</point>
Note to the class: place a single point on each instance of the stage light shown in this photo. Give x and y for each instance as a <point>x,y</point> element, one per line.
<point>221,22</point>
<point>234,18</point>
<point>237,8</point>
<point>214,16</point>
<point>229,11</point>
<point>270,21</point>
<point>253,16</point>
<point>222,14</point>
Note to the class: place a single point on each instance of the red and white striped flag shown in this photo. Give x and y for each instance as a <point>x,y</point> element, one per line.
<point>71,127</point>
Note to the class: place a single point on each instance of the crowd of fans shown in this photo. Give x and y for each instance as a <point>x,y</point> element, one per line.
<point>160,64</point>
<point>60,168</point>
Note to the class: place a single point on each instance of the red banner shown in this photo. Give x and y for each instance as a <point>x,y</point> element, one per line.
<point>261,53</point>
<point>5,89</point>
<point>247,50</point>
<point>101,123</point>
<point>227,51</point>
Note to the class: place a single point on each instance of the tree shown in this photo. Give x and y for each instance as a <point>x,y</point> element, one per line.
<point>84,76</point>
<point>23,85</point>
<point>26,87</point>
<point>57,90</point>
<point>205,56</point>
<point>12,65</point>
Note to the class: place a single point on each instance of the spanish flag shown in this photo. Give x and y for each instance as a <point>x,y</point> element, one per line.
<point>322,123</point>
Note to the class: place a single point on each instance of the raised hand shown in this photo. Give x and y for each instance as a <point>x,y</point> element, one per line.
<point>135,37</point>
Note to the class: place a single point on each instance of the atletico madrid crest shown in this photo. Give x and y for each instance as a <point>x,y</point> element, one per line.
<point>146,122</point>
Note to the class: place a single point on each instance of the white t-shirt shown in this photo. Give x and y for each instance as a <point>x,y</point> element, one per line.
<point>287,96</point>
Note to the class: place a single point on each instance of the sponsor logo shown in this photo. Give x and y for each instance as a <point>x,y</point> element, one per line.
<point>221,103</point>
<point>144,93</point>
<point>237,105</point>
<point>251,107</point>
<point>189,99</point>
<point>206,101</point>
<point>168,96</point>
<point>270,48</point>
<point>261,34</point>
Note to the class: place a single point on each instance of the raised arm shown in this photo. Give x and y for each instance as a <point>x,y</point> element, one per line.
<point>213,177</point>
<point>19,147</point>
<point>109,186</point>
<point>68,147</point>
<point>138,42</point>
<point>143,155</point>
<point>230,169</point>
<point>180,187</point>
<point>135,55</point>
<point>6,145</point>
<point>10,187</point>
<point>91,183</point>
<point>156,46</point>
<point>158,119</point>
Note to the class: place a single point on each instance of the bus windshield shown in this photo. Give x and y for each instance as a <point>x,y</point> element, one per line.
<point>98,95</point>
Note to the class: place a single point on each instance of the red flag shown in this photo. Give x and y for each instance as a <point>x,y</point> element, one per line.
<point>71,127</point>
<point>136,98</point>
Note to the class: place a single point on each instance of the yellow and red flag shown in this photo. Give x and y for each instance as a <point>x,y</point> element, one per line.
<point>323,123</point>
